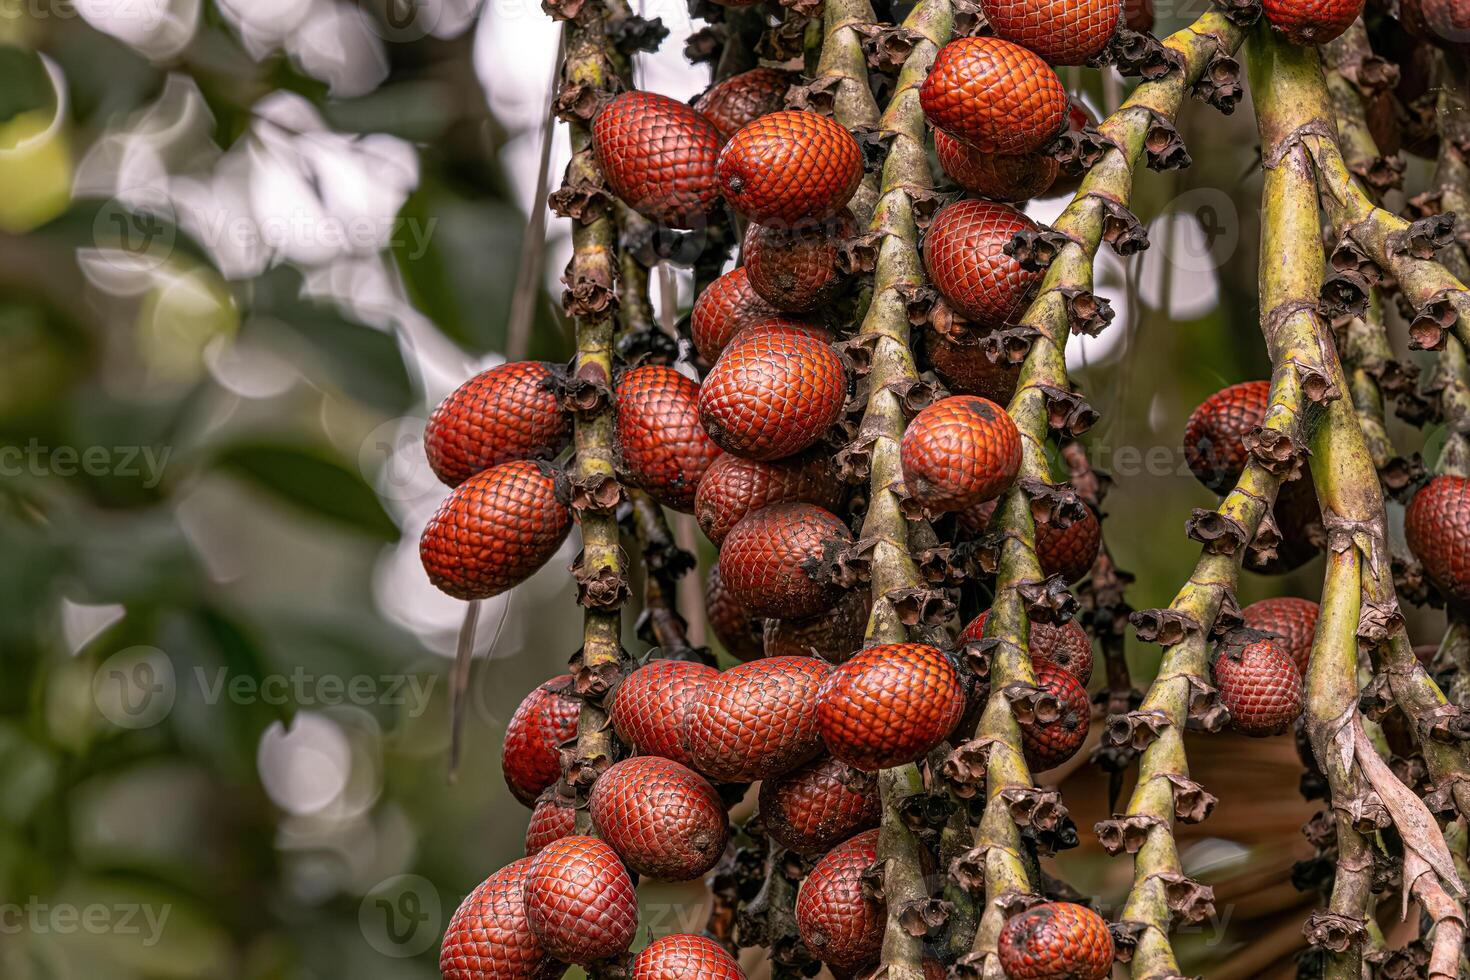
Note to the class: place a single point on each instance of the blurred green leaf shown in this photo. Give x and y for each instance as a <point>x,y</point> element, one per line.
<point>313,479</point>
<point>24,84</point>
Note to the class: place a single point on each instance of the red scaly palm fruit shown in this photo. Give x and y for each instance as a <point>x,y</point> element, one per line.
<point>1437,525</point>
<point>1293,619</point>
<point>967,370</point>
<point>1260,685</point>
<point>996,176</point>
<point>489,937</point>
<point>1068,645</point>
<point>788,167</point>
<point>580,900</point>
<point>661,444</point>
<point>959,451</point>
<point>733,487</point>
<point>1056,940</point>
<point>757,720</point>
<point>649,706</point>
<point>737,630</point>
<point>773,393</point>
<point>508,412</point>
<point>821,804</point>
<point>664,820</point>
<point>1064,32</point>
<point>770,560</point>
<point>964,251</point>
<point>531,758</point>
<point>1139,15</point>
<point>1048,742</point>
<point>840,925</point>
<point>658,156</point>
<point>552,820</point>
<point>496,529</point>
<point>684,957</point>
<point>1066,551</point>
<point>795,269</point>
<point>890,705</point>
<point>1309,22</point>
<point>744,98</point>
<point>1444,22</point>
<point>1214,436</point>
<point>834,636</point>
<point>727,306</point>
<point>996,96</point>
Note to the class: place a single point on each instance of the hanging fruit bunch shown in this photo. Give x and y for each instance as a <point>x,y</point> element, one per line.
<point>868,414</point>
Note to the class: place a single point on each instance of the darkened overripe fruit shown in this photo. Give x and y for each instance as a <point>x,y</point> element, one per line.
<point>960,451</point>
<point>967,370</point>
<point>818,805</point>
<point>772,560</point>
<point>650,706</point>
<point>964,251</point>
<point>489,937</point>
<point>996,96</point>
<point>543,721</point>
<point>788,167</point>
<point>890,705</point>
<point>1055,735</point>
<point>839,924</point>
<point>658,156</point>
<point>580,900</point>
<point>1068,645</point>
<point>757,720</point>
<point>1295,620</point>
<point>1056,941</point>
<point>506,413</point>
<point>737,630</point>
<point>664,820</point>
<point>744,98</point>
<point>795,269</point>
<point>834,635</point>
<point>994,176</point>
<point>733,487</point>
<point>661,444</point>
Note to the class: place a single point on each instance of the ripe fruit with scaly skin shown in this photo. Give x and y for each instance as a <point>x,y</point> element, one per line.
<point>658,156</point>
<point>834,636</point>
<point>1068,646</point>
<point>546,718</point>
<point>489,937</point>
<point>964,251</point>
<point>727,306</point>
<point>664,820</point>
<point>1437,525</point>
<point>1056,941</point>
<point>788,167</point>
<point>890,705</point>
<point>649,707</point>
<point>495,530</point>
<point>770,560</point>
<point>506,413</point>
<point>996,176</point>
<point>737,630</point>
<point>1069,552</point>
<point>733,487</point>
<point>757,720</point>
<point>684,957</point>
<point>1309,22</point>
<point>959,451</point>
<point>661,444</point>
<point>1260,685</point>
<point>819,805</point>
<point>839,924</point>
<point>580,900</point>
<point>1064,32</point>
<point>552,820</point>
<point>1049,742</point>
<point>744,98</point>
<point>1295,620</point>
<point>994,95</point>
<point>967,370</point>
<point>773,393</point>
<point>795,270</point>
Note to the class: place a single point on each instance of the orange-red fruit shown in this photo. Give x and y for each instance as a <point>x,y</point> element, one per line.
<point>684,957</point>
<point>662,446</point>
<point>821,804</point>
<point>495,530</point>
<point>1049,741</point>
<point>1437,525</point>
<point>788,167</point>
<point>757,720</point>
<point>650,706</point>
<point>770,560</point>
<point>1067,646</point>
<point>658,155</point>
<point>664,820</point>
<point>795,269</point>
<point>839,924</point>
<point>964,251</point>
<point>580,900</point>
<point>834,636</point>
<point>1139,15</point>
<point>508,412</point>
<point>1069,551</point>
<point>546,718</point>
<point>727,306</point>
<point>1310,22</point>
<point>772,393</point>
<point>1443,22</point>
<point>1056,941</point>
<point>489,937</point>
<point>744,98</point>
<point>959,451</point>
<point>1260,685</point>
<point>552,820</point>
<point>1064,32</point>
<point>1214,436</point>
<point>996,176</point>
<point>733,487</point>
<point>890,705</point>
<point>967,370</point>
<point>737,630</point>
<point>996,96</point>
<point>1293,619</point>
